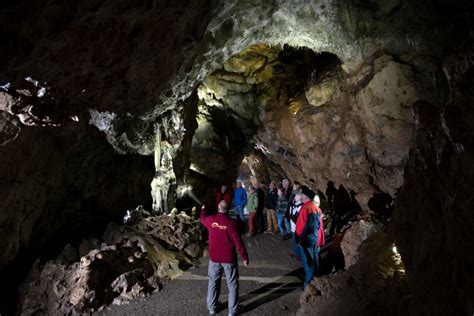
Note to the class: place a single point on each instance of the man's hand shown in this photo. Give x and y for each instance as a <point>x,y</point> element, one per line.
<point>246,263</point>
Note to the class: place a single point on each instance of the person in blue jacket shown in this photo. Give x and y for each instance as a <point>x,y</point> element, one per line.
<point>240,200</point>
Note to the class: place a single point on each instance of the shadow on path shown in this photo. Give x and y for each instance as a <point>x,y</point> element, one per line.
<point>270,291</point>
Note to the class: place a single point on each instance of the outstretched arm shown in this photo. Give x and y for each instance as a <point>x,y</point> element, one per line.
<point>204,218</point>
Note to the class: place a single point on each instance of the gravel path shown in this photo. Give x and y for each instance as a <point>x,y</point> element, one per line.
<point>268,286</point>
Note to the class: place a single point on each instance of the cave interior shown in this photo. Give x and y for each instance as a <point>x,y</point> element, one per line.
<point>106,106</point>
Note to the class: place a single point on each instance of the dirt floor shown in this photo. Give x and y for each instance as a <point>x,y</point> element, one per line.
<point>270,285</point>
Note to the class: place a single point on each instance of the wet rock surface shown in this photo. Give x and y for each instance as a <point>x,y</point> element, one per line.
<point>132,261</point>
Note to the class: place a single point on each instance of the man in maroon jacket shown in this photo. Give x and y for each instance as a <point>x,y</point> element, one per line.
<point>224,239</point>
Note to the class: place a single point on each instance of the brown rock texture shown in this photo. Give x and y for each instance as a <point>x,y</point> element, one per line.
<point>354,129</point>
<point>354,237</point>
<point>132,262</point>
<point>434,231</point>
<point>54,185</point>
<point>376,284</point>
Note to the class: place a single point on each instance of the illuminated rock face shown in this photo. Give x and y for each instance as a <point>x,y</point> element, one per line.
<point>303,114</point>
<point>160,80</point>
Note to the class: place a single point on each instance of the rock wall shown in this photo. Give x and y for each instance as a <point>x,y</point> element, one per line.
<point>58,184</point>
<point>308,120</point>
<point>374,285</point>
<point>434,231</point>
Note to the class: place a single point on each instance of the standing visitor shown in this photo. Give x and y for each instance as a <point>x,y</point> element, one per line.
<point>224,239</point>
<point>270,204</point>
<point>223,194</point>
<point>296,188</point>
<point>287,194</point>
<point>281,209</point>
<point>286,188</point>
<point>307,231</point>
<point>240,200</point>
<point>252,205</point>
<point>294,212</point>
<point>261,204</point>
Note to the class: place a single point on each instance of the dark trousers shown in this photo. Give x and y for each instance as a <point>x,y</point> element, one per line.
<point>310,259</point>
<point>239,215</point>
<point>260,221</point>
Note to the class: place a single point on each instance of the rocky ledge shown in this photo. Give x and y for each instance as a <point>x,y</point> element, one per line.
<point>131,261</point>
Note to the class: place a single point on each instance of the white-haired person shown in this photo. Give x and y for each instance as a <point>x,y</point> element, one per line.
<point>224,240</point>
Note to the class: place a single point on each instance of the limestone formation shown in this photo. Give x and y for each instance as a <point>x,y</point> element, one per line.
<point>130,263</point>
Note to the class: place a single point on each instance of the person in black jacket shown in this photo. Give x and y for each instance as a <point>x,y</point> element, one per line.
<point>270,205</point>
<point>261,204</point>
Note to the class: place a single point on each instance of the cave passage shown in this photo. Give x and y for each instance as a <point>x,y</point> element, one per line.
<point>119,119</point>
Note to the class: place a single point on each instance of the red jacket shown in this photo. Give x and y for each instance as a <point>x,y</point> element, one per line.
<point>224,238</point>
<point>305,225</point>
<point>226,197</point>
<point>321,239</point>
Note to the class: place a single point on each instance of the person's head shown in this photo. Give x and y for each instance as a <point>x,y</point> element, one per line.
<point>307,194</point>
<point>222,207</point>
<point>257,185</point>
<point>272,185</point>
<point>238,183</point>
<point>297,197</point>
<point>280,191</point>
<point>296,185</point>
<point>285,183</point>
<point>223,189</point>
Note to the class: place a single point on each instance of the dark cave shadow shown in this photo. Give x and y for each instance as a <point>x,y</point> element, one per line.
<point>272,291</point>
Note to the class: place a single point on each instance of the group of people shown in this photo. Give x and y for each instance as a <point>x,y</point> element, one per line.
<point>293,212</point>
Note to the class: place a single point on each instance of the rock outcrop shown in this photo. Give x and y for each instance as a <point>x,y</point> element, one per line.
<point>308,120</point>
<point>434,231</point>
<point>354,237</point>
<point>375,285</point>
<point>131,262</point>
<point>58,180</point>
